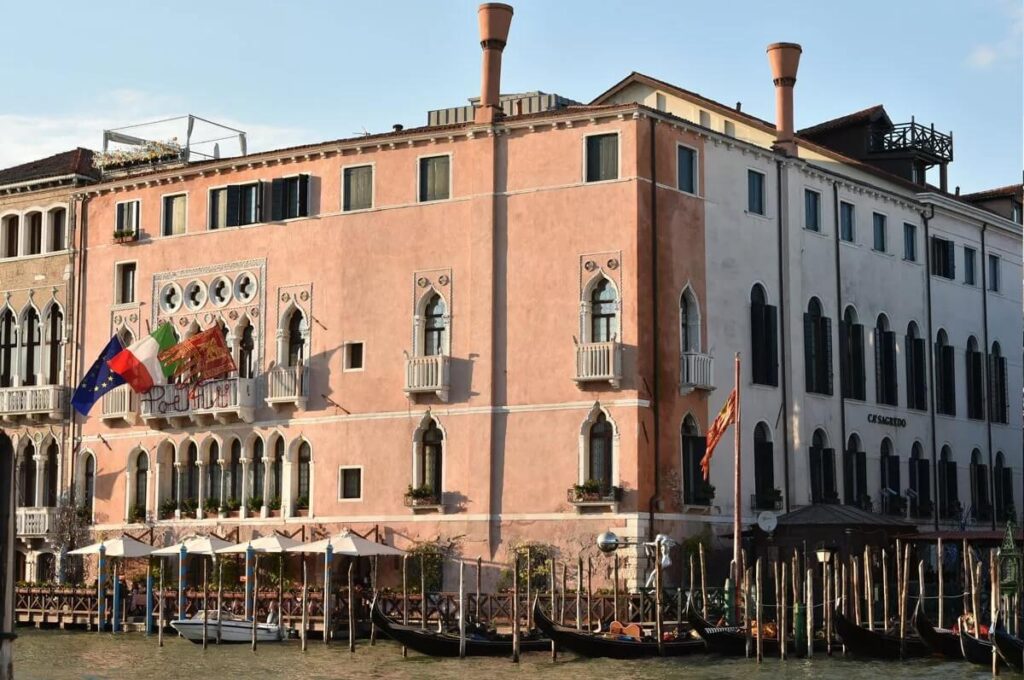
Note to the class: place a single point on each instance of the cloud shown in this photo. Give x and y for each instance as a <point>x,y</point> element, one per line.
<point>982,56</point>
<point>27,137</point>
<point>985,55</point>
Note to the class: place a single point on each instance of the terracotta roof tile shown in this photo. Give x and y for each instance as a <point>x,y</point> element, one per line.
<point>75,162</point>
<point>1011,190</point>
<point>856,118</point>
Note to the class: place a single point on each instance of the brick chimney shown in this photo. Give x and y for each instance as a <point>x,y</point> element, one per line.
<point>784,59</point>
<point>495,19</point>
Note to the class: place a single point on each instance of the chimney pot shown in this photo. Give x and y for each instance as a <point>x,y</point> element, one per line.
<point>495,19</point>
<point>784,59</point>
<point>398,127</point>
<point>739,106</point>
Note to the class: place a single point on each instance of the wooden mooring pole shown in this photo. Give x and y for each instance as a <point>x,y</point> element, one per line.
<point>759,610</point>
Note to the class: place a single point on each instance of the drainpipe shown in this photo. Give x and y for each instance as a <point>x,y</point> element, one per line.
<point>926,219</point>
<point>988,378</point>
<point>79,304</point>
<point>654,331</point>
<point>782,334</point>
<point>839,324</point>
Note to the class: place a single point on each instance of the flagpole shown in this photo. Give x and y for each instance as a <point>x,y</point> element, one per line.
<point>737,508</point>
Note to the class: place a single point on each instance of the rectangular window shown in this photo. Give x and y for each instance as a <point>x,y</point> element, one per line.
<point>686,166</point>
<point>353,356</point>
<point>357,188</point>
<point>236,205</point>
<point>57,229</point>
<point>127,218</point>
<point>705,118</point>
<point>350,483</point>
<point>125,283</point>
<point>943,258</point>
<point>879,223</point>
<point>602,157</point>
<point>755,192</point>
<point>289,198</point>
<point>993,273</point>
<point>909,242</point>
<point>729,128</point>
<point>970,258</point>
<point>435,178</point>
<point>847,220</point>
<point>174,215</point>
<point>812,210</point>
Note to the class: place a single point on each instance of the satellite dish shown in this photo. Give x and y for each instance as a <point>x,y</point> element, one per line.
<point>767,521</point>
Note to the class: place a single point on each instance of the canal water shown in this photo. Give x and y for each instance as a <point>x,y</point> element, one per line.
<point>58,655</point>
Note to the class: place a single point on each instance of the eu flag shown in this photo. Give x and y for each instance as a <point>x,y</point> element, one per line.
<point>99,380</point>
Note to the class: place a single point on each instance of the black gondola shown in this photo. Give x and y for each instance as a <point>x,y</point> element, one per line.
<point>732,640</point>
<point>433,643</point>
<point>975,649</point>
<point>871,644</point>
<point>1010,648</point>
<point>941,640</point>
<point>593,645</point>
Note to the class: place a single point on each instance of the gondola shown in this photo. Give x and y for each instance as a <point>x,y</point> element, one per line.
<point>433,643</point>
<point>975,649</point>
<point>1010,648</point>
<point>596,645</point>
<point>732,640</point>
<point>942,641</point>
<point>871,644</point>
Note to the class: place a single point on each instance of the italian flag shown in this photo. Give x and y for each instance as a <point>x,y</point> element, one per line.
<point>139,364</point>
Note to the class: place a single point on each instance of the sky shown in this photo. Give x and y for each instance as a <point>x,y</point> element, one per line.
<point>312,70</point>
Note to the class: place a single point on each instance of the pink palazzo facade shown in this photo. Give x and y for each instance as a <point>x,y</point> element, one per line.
<point>461,342</point>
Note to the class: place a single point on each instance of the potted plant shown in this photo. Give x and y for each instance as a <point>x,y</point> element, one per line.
<point>420,495</point>
<point>137,514</point>
<point>188,507</point>
<point>167,508</point>
<point>705,493</point>
<point>122,236</point>
<point>302,503</point>
<point>865,503</point>
<point>211,506</point>
<point>590,490</point>
<point>232,504</point>
<point>274,505</point>
<point>254,504</point>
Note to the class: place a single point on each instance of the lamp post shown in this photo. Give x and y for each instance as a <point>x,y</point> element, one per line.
<point>824,554</point>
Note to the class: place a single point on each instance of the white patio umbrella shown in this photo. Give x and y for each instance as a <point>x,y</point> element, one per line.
<point>125,546</point>
<point>348,543</point>
<point>275,543</point>
<point>196,545</point>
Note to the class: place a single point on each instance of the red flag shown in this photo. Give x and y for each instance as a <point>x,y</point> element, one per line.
<point>202,357</point>
<point>726,417</point>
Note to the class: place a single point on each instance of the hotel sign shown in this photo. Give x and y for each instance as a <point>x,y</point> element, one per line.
<point>892,421</point>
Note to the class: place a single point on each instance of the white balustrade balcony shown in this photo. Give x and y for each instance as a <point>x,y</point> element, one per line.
<point>427,374</point>
<point>35,521</point>
<point>227,400</point>
<point>33,402</point>
<point>696,372</point>
<point>120,403</point>
<point>288,385</point>
<point>599,362</point>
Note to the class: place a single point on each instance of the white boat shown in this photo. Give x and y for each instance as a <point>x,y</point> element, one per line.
<point>233,629</point>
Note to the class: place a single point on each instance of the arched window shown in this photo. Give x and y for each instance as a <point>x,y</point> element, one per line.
<point>54,343</point>
<point>27,477</point>
<point>823,470</point>
<point>141,482</point>
<point>886,389</point>
<point>920,484</point>
<point>764,331</point>
<point>689,322</point>
<point>998,390</point>
<point>949,501</point>
<point>191,472</point>
<point>50,489</point>
<point>599,465</point>
<point>429,460</point>
<point>981,506</point>
<point>8,347</point>
<point>58,229</point>
<point>851,355</point>
<point>855,474</point>
<point>434,326</point>
<point>695,489</point>
<point>892,498</point>
<point>817,349</point>
<point>1003,478</point>
<point>766,496</point>
<point>277,464</point>
<point>31,345</point>
<point>296,342</point>
<point>916,369</point>
<point>89,483</point>
<point>975,373</point>
<point>945,376</point>
<point>304,462</point>
<point>213,474</point>
<point>246,352</point>
<point>34,233</point>
<point>235,491</point>
<point>259,470</point>
<point>603,312</point>
<point>10,226</point>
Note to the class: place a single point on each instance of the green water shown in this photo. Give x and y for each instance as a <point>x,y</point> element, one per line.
<point>56,655</point>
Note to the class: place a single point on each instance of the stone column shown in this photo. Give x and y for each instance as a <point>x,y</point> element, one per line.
<point>244,489</point>
<point>267,471</point>
<point>40,460</point>
<point>223,488</point>
<point>178,487</point>
<point>201,471</point>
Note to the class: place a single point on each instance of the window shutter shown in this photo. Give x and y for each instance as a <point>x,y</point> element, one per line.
<point>303,196</point>
<point>757,343</point>
<point>879,377</point>
<point>950,260</point>
<point>845,364</point>
<point>908,343</point>
<point>234,206</point>
<point>260,189</point>
<point>950,378</point>
<point>1003,392</point>
<point>810,358</point>
<point>924,486</point>
<point>920,380</point>
<point>816,480</point>
<point>120,218</point>
<point>940,381</point>
<point>771,335</point>
<point>848,466</point>
<point>826,369</point>
<point>859,363</point>
<point>828,471</point>
<point>277,200</point>
<point>889,368</point>
<point>861,462</point>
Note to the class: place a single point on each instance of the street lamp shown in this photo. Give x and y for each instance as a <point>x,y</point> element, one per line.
<point>824,554</point>
<point>608,542</point>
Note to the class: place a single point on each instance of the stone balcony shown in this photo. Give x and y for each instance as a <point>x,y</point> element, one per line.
<point>428,374</point>
<point>288,385</point>
<point>35,521</point>
<point>696,372</point>
<point>120,403</point>
<point>33,402</point>
<point>225,401</point>
<point>599,362</point>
